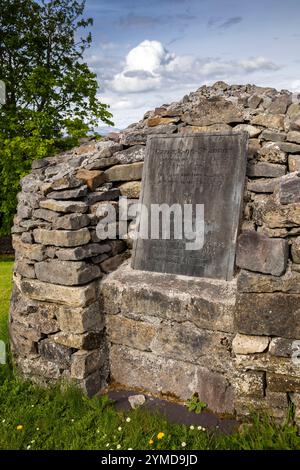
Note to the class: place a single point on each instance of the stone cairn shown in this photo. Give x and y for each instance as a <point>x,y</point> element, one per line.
<point>57,322</point>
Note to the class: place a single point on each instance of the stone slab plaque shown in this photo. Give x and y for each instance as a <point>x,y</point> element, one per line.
<point>200,169</point>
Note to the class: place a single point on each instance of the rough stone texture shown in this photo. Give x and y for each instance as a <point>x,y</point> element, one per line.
<point>257,252</point>
<point>72,296</point>
<point>132,171</point>
<point>164,333</point>
<point>136,401</point>
<point>274,314</point>
<point>66,273</point>
<point>62,237</point>
<point>245,344</point>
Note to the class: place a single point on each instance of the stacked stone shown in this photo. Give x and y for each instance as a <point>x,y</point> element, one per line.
<point>57,324</point>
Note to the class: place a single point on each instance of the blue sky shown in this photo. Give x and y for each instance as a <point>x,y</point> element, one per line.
<point>147,53</point>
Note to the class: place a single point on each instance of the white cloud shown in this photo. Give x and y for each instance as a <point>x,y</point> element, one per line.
<point>150,75</point>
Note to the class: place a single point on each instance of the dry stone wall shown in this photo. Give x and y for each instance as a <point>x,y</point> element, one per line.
<point>71,319</point>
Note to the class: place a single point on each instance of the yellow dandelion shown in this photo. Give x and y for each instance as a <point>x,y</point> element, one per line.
<point>160,435</point>
<point>151,442</point>
<point>20,427</point>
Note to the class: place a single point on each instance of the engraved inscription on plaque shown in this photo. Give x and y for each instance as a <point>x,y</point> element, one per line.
<point>200,169</point>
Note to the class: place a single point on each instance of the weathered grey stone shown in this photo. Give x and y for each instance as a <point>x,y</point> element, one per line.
<point>280,104</point>
<point>105,195</point>
<point>157,121</point>
<point>274,314</point>
<point>85,363</point>
<point>67,273</point>
<point>81,320</point>
<point>248,281</point>
<point>89,340</point>
<point>213,111</point>
<point>27,237</point>
<point>220,127</point>
<point>73,296</point>
<point>140,137</point>
<point>38,368</point>
<point>293,136</point>
<point>93,383</point>
<point>23,339</point>
<point>31,251</point>
<point>249,344</point>
<point>92,179</point>
<point>281,347</point>
<point>30,183</point>
<point>265,169</point>
<point>207,303</point>
<point>111,264</point>
<point>71,221</point>
<point>132,171</point>
<point>64,206</point>
<point>57,353</point>
<point>296,250</point>
<point>34,223</point>
<point>41,163</point>
<point>25,267</point>
<point>257,252</point>
<point>262,185</point>
<point>181,378</point>
<point>273,136</point>
<point>273,121</point>
<point>45,214</point>
<point>271,153</point>
<point>294,163</point>
<point>283,383</point>
<point>130,155</point>
<point>295,122</point>
<point>254,101</point>
<point>289,147</point>
<point>132,189</point>
<point>252,131</point>
<point>68,193</point>
<point>136,401</point>
<point>249,384</point>
<point>81,252</point>
<point>65,182</point>
<point>289,189</point>
<point>62,237</point>
<point>274,215</point>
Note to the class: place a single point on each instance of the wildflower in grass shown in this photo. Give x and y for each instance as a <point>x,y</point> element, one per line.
<point>128,420</point>
<point>33,441</point>
<point>129,448</point>
<point>183,444</point>
<point>119,446</point>
<point>119,428</point>
<point>160,435</point>
<point>37,429</point>
<point>32,406</point>
<point>151,442</point>
<point>192,427</point>
<point>20,427</point>
<point>3,421</point>
<point>72,420</point>
<point>97,431</point>
<point>28,447</point>
<point>107,444</point>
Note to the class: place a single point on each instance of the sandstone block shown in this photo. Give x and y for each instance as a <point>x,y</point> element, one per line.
<point>66,273</point>
<point>265,169</point>
<point>272,121</point>
<point>296,250</point>
<point>132,189</point>
<point>157,121</point>
<point>271,153</point>
<point>81,320</point>
<point>33,252</point>
<point>111,264</point>
<point>132,171</point>
<point>274,314</point>
<point>289,189</point>
<point>257,252</point>
<point>62,237</point>
<point>293,136</point>
<point>71,222</point>
<point>213,112</point>
<point>133,154</point>
<point>68,193</point>
<point>281,347</point>
<point>64,206</point>
<point>81,252</point>
<point>273,136</point>
<point>92,179</point>
<point>248,281</point>
<point>289,147</point>
<point>73,296</point>
<point>249,344</point>
<point>294,163</point>
<point>283,383</point>
<point>249,384</point>
<point>85,363</point>
<point>252,131</point>
<point>88,340</point>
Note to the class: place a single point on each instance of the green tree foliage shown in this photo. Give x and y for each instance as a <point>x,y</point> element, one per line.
<point>51,94</point>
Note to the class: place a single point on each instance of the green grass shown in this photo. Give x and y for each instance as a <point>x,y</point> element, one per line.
<point>62,418</point>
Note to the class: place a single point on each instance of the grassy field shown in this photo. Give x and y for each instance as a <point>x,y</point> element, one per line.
<point>35,418</point>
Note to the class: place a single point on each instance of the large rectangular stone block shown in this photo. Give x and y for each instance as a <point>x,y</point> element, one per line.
<point>62,237</point>
<point>275,314</point>
<point>73,296</point>
<point>66,273</point>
